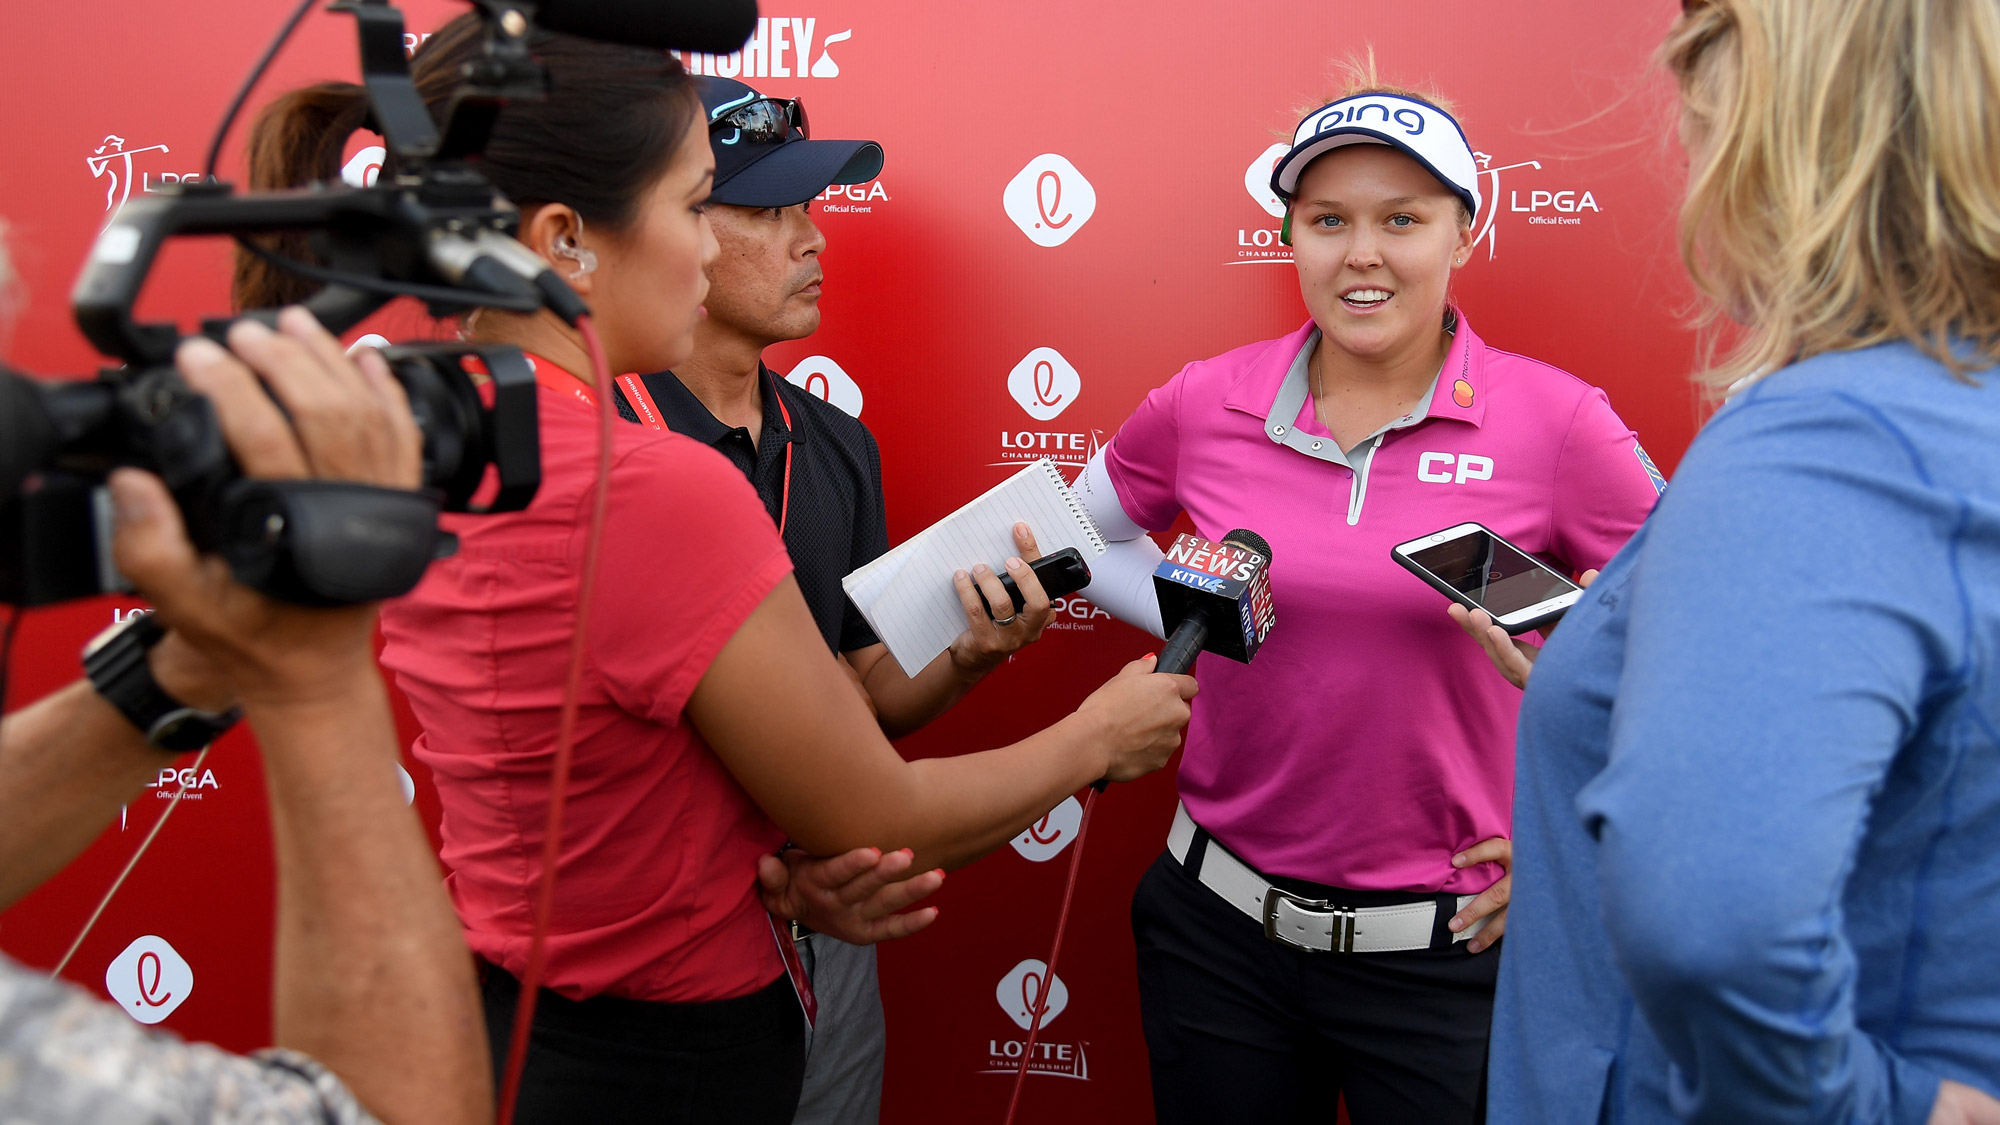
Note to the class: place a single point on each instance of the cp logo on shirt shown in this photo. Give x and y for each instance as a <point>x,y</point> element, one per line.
<point>1437,468</point>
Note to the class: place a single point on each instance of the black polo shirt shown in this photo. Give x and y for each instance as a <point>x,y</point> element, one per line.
<point>835,521</point>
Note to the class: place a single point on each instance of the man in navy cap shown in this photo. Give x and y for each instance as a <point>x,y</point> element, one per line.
<point>820,475</point>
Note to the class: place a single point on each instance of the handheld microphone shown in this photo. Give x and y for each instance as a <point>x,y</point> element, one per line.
<point>1214,597</point>
<point>714,27</point>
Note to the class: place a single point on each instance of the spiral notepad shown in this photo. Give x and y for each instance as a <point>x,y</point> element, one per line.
<point>907,595</point>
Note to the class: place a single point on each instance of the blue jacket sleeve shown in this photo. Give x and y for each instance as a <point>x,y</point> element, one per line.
<point>1794,610</point>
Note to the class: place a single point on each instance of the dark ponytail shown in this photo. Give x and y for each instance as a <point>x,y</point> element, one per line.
<point>297,140</point>
<point>613,120</point>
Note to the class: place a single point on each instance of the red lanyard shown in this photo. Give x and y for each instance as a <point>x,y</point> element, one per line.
<point>649,414</point>
<point>556,378</point>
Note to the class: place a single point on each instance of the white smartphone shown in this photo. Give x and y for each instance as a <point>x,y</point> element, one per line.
<point>1479,570</point>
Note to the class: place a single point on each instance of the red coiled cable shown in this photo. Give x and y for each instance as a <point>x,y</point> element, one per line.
<point>545,897</point>
<point>1055,950</point>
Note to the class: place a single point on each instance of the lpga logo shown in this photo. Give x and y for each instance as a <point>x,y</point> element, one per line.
<point>1018,992</point>
<point>823,379</point>
<point>113,161</point>
<point>149,980</point>
<point>1568,205</point>
<point>1046,838</point>
<point>1049,200</point>
<point>1044,383</point>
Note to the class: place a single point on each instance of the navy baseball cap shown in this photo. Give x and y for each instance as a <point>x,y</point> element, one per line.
<point>762,155</point>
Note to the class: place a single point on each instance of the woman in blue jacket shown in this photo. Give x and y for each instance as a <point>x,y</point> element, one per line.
<point>1757,814</point>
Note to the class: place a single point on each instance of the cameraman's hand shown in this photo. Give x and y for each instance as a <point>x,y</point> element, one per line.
<point>1145,713</point>
<point>349,420</point>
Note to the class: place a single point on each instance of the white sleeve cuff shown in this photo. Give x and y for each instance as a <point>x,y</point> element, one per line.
<point>1093,487</point>
<point>1121,579</point>
<point>1121,583</point>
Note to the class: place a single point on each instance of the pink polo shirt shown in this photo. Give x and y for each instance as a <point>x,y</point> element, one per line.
<point>1370,739</point>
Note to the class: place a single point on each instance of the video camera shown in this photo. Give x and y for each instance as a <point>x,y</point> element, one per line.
<point>435,229</point>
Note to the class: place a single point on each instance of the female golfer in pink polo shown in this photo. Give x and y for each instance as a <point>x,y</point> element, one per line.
<point>1337,869</point>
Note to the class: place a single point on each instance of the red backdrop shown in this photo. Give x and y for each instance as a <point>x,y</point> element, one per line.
<point>1132,243</point>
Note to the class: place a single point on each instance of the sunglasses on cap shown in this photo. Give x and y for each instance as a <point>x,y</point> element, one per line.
<point>761,121</point>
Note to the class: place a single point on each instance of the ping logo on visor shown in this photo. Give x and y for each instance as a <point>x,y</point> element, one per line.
<point>1427,134</point>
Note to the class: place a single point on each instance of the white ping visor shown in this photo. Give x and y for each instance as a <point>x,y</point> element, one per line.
<point>1426,133</point>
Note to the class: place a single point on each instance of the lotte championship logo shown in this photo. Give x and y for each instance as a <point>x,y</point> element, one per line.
<point>1044,384</point>
<point>1046,838</point>
<point>149,980</point>
<point>823,379</point>
<point>1017,993</point>
<point>1049,200</point>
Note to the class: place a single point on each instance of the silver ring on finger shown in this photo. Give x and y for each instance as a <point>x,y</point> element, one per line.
<point>1003,622</point>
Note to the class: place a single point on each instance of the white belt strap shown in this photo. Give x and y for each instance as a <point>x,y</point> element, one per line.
<point>1309,923</point>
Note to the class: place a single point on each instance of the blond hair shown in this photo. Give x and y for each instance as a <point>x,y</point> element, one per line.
<point>1844,179</point>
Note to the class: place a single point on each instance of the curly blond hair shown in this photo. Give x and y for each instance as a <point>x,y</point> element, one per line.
<point>1844,177</point>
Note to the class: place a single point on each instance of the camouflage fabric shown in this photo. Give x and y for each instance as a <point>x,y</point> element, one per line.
<point>66,1056</point>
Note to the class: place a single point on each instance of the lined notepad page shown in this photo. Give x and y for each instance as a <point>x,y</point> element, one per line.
<point>907,594</point>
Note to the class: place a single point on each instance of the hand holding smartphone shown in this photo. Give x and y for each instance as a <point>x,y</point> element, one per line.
<point>1479,570</point>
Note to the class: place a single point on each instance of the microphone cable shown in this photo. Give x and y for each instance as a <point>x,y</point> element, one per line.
<point>545,897</point>
<point>1055,950</point>
<point>250,83</point>
<point>145,844</point>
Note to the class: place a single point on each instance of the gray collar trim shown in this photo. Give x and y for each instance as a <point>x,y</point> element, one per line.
<point>1292,397</point>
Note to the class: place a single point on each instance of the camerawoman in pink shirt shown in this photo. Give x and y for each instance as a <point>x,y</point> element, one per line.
<point>1337,873</point>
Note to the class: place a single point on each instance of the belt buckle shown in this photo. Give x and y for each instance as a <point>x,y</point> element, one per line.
<point>1342,938</point>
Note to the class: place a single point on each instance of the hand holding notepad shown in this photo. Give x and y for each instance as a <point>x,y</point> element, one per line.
<point>907,594</point>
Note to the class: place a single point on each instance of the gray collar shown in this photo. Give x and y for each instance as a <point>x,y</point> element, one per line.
<point>1292,397</point>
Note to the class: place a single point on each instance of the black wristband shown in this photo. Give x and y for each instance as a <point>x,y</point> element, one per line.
<point>115,662</point>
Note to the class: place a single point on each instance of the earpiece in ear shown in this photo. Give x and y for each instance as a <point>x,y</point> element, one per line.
<point>585,258</point>
<point>1285,231</point>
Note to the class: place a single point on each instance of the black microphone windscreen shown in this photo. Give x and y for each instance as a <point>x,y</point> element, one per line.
<point>1243,537</point>
<point>716,27</point>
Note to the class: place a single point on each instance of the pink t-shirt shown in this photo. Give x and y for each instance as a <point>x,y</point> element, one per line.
<point>1370,739</point>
